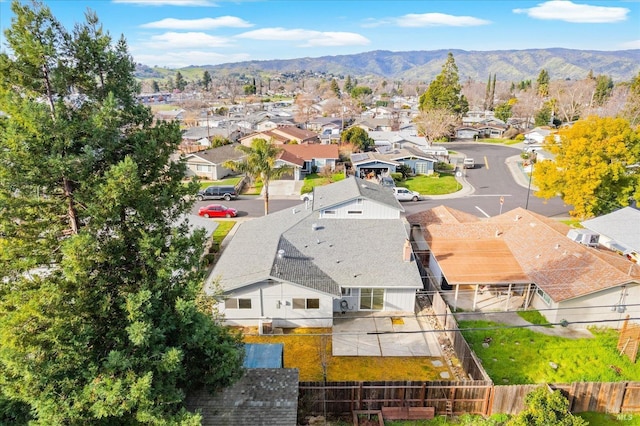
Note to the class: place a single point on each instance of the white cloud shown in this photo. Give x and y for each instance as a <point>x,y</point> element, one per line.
<point>564,10</point>
<point>307,37</point>
<point>198,24</point>
<point>183,59</point>
<point>191,40</point>
<point>633,44</point>
<point>438,20</point>
<point>195,3</point>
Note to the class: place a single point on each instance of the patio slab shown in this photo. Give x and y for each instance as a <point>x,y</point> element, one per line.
<point>377,335</point>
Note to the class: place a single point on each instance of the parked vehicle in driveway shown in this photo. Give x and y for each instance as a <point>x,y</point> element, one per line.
<point>217,210</point>
<point>403,194</point>
<point>215,192</point>
<point>387,181</point>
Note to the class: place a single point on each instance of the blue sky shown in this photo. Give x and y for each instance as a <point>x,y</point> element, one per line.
<point>177,33</point>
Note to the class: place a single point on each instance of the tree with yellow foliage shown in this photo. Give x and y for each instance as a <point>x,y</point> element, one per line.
<point>595,167</point>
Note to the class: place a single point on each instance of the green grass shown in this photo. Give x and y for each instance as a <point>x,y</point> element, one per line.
<point>314,179</point>
<point>432,185</point>
<point>534,317</point>
<point>229,181</point>
<point>520,355</point>
<point>594,419</point>
<point>221,231</point>
<point>605,419</point>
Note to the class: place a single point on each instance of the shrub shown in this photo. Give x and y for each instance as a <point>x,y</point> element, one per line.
<point>397,177</point>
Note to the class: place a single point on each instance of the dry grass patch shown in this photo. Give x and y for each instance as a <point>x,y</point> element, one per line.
<point>307,349</point>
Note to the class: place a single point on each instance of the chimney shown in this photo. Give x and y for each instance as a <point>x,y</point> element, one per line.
<point>406,251</point>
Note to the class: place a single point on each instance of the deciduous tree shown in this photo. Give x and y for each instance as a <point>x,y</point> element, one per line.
<point>435,124</point>
<point>100,321</point>
<point>592,169</point>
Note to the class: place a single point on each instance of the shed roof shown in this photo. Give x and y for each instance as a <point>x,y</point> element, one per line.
<point>265,396</point>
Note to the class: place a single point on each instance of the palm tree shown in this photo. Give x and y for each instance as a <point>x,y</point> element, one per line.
<point>260,162</point>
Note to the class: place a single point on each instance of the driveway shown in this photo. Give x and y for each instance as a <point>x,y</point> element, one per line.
<point>383,334</point>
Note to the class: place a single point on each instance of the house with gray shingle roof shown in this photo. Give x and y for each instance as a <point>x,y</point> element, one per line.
<point>207,164</point>
<point>619,231</point>
<point>347,250</point>
<point>530,258</point>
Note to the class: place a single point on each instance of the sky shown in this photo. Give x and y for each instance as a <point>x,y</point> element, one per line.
<point>179,33</point>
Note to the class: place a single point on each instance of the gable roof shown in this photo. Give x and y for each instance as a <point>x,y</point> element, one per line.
<point>622,226</point>
<point>218,155</point>
<point>319,253</point>
<point>352,188</point>
<point>518,247</point>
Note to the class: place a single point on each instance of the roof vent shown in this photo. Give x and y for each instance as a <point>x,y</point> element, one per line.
<point>314,226</point>
<point>280,254</point>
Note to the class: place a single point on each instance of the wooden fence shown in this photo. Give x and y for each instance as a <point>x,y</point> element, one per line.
<point>476,397</point>
<point>470,362</point>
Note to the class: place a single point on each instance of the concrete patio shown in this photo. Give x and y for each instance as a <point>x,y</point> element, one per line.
<point>383,334</point>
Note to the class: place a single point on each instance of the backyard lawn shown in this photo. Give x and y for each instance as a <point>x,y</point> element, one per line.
<point>307,349</point>
<point>520,355</point>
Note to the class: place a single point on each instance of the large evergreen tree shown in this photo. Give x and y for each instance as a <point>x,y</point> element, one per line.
<point>445,92</point>
<point>101,315</point>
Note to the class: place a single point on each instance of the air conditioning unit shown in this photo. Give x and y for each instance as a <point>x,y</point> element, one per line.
<point>584,236</point>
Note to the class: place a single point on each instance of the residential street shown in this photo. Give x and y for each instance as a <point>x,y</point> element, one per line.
<point>496,175</point>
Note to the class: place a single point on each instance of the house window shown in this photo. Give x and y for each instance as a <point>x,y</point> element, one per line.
<point>354,212</point>
<point>203,168</point>
<point>345,291</point>
<point>329,212</point>
<point>371,299</point>
<point>544,296</point>
<point>306,303</point>
<point>235,303</point>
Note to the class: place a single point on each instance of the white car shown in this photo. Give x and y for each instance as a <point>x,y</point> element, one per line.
<point>307,196</point>
<point>403,194</point>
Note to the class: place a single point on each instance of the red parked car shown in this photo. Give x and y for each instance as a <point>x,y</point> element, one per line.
<point>217,210</point>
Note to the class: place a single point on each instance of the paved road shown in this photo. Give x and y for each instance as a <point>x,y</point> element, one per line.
<point>496,175</point>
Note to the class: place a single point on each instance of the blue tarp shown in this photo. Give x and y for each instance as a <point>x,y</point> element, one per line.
<point>259,355</point>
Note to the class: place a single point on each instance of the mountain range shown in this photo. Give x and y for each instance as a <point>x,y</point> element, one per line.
<point>424,65</point>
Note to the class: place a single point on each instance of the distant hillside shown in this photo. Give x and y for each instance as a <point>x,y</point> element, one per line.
<point>508,65</point>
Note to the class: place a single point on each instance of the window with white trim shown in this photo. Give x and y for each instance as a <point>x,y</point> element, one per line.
<point>235,303</point>
<point>345,291</point>
<point>306,303</point>
<point>354,212</point>
<point>544,296</point>
<point>203,167</point>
